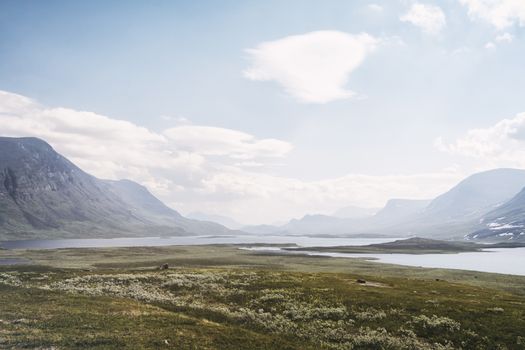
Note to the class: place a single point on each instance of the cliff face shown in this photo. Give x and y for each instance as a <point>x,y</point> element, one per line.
<point>42,192</point>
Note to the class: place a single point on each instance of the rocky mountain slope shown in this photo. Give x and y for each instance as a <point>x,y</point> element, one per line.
<point>220,219</point>
<point>42,194</point>
<point>476,195</point>
<point>457,212</point>
<point>399,210</point>
<point>505,222</point>
<point>452,214</point>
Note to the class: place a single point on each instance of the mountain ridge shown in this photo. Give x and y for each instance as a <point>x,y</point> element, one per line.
<point>42,193</point>
<point>504,222</point>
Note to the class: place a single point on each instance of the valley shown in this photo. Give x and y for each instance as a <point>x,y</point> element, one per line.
<point>262,175</point>
<point>104,264</point>
<point>221,297</point>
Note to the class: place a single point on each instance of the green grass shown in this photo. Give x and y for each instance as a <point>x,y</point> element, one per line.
<point>33,318</point>
<point>215,297</point>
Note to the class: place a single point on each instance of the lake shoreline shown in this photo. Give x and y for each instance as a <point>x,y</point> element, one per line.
<point>415,252</point>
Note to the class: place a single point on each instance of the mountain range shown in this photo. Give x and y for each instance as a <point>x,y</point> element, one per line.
<point>396,211</point>
<point>220,219</point>
<point>42,194</point>
<point>485,197</point>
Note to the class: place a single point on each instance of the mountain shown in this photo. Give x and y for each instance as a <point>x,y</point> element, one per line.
<point>395,211</point>
<point>398,210</point>
<point>505,222</point>
<point>452,214</point>
<point>223,220</point>
<point>458,211</point>
<point>307,225</point>
<point>317,224</point>
<point>475,196</point>
<point>353,212</point>
<point>43,195</point>
<point>263,229</point>
<point>140,200</point>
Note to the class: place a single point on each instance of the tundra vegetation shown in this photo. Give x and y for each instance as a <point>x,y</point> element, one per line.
<point>224,298</point>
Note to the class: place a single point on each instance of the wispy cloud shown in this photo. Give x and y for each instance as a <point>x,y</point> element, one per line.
<point>202,167</point>
<point>490,45</point>
<point>429,18</point>
<point>500,145</point>
<point>175,119</point>
<point>312,67</point>
<point>111,148</point>
<point>208,140</point>
<point>504,38</point>
<point>375,7</point>
<point>500,13</point>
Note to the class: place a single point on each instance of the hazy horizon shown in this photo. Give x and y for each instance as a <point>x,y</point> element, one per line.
<point>267,111</point>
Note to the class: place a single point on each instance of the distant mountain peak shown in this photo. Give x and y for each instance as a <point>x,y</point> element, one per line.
<point>477,194</point>
<point>220,219</point>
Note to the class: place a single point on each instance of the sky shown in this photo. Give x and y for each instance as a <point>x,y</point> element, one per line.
<point>267,110</point>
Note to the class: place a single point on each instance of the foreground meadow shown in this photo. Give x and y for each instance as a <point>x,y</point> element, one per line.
<point>223,298</point>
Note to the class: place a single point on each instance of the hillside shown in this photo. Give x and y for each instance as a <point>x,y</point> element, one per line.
<point>476,195</point>
<point>43,195</point>
<point>504,222</point>
<point>220,219</point>
<point>399,210</point>
<point>458,211</point>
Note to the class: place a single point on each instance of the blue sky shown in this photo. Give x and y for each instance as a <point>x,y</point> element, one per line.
<point>271,87</point>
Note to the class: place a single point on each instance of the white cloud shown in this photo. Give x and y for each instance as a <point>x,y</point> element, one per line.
<point>500,145</point>
<point>460,51</point>
<point>268,198</point>
<point>429,18</point>
<point>504,38</point>
<point>249,163</point>
<point>110,148</point>
<point>202,168</point>
<point>500,13</point>
<point>312,67</point>
<point>175,119</point>
<point>374,7</point>
<point>207,140</point>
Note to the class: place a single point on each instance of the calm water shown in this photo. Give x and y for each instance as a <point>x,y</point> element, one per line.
<point>502,260</point>
<point>508,261</point>
<point>14,261</point>
<point>301,241</point>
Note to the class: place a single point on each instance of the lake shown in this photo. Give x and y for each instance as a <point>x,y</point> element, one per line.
<point>14,261</point>
<point>503,260</point>
<point>301,241</point>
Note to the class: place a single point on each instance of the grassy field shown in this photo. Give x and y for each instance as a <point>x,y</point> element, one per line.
<point>220,297</point>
